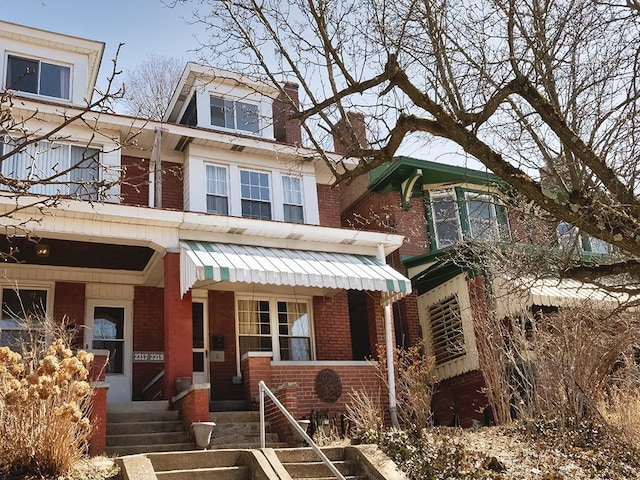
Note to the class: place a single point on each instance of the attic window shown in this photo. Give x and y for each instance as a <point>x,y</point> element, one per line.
<point>234,115</point>
<point>447,336</point>
<point>41,78</point>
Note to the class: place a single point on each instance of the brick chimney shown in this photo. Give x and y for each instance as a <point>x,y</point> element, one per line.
<point>287,129</point>
<point>345,137</point>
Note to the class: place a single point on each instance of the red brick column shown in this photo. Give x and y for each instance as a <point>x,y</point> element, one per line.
<point>178,327</point>
<point>193,404</point>
<point>255,367</point>
<point>98,413</point>
<point>287,395</point>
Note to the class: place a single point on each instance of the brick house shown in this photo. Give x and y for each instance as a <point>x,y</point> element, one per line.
<point>217,255</point>
<point>436,207</point>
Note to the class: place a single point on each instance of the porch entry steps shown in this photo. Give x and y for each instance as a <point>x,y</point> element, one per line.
<point>201,465</point>
<point>240,430</point>
<point>140,427</point>
<point>303,463</point>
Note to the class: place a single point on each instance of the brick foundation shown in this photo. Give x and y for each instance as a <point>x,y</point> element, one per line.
<point>461,400</point>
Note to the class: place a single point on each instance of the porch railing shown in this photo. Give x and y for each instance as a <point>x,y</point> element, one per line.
<point>263,389</point>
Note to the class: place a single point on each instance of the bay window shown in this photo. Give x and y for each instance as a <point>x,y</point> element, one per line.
<point>35,76</point>
<point>280,326</point>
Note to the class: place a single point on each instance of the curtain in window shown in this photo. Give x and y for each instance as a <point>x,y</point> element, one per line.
<point>85,172</point>
<point>51,167</point>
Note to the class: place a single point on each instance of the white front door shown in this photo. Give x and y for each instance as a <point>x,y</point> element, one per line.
<point>109,328</point>
<point>200,343</point>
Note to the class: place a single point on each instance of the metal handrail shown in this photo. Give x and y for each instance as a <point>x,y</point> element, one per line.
<point>264,389</point>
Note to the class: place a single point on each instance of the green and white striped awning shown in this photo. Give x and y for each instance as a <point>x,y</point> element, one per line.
<point>220,262</point>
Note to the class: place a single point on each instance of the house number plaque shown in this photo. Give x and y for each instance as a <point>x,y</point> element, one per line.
<point>148,357</point>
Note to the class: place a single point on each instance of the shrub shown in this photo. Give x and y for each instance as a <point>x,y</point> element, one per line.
<point>44,402</point>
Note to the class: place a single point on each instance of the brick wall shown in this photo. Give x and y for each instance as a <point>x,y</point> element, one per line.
<point>375,313</point>
<point>332,328</point>
<point>148,334</point>
<point>383,212</point>
<point>329,205</point>
<point>222,323</point>
<point>134,189</point>
<point>461,399</point>
<point>69,306</point>
<point>172,186</point>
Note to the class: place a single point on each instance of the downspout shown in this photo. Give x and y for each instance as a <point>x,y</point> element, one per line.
<point>389,343</point>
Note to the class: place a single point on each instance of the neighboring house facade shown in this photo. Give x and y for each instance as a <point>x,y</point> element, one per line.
<point>217,254</point>
<point>438,207</point>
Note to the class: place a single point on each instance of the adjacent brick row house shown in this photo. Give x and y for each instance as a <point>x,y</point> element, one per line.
<point>217,256</point>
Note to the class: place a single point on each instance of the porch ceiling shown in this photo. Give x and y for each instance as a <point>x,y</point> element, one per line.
<point>68,253</point>
<point>278,266</point>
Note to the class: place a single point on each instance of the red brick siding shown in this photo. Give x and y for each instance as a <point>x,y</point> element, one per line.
<point>69,306</point>
<point>194,407</point>
<point>462,396</point>
<point>375,312</point>
<point>134,189</point>
<point>383,212</point>
<point>98,419</point>
<point>148,334</point>
<point>332,329</point>
<point>329,205</point>
<point>172,186</point>
<point>222,323</point>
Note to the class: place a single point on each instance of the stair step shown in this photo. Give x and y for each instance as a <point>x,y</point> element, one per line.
<point>130,417</point>
<point>235,417</point>
<point>306,454</point>
<point>194,459</point>
<point>144,427</point>
<point>239,472</point>
<point>230,428</point>
<point>317,469</point>
<point>120,451</point>
<point>150,438</point>
<point>239,438</point>
<point>230,405</point>
<point>132,407</point>
<point>248,446</point>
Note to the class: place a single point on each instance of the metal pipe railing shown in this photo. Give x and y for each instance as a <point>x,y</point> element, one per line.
<point>264,389</point>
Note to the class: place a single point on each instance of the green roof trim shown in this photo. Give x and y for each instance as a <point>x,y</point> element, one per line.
<point>391,175</point>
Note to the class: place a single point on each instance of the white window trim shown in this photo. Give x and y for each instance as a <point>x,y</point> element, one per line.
<point>227,179</point>
<point>434,194</point>
<point>47,287</point>
<point>28,56</point>
<point>470,196</point>
<point>272,202</point>
<point>302,196</point>
<point>273,319</point>
<point>459,287</point>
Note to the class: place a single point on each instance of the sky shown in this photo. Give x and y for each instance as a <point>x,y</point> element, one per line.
<point>150,27</point>
<point>145,26</point>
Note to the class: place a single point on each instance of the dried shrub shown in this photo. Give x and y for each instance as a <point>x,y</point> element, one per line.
<point>44,402</point>
<point>363,412</point>
<point>621,412</point>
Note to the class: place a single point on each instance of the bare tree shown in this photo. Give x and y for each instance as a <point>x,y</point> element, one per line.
<point>39,168</point>
<point>150,85</point>
<point>545,93</point>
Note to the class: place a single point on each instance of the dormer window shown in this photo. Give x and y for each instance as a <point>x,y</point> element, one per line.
<point>38,77</point>
<point>234,115</point>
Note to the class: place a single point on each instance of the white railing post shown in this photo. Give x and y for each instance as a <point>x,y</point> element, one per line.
<point>263,441</point>
<point>264,389</point>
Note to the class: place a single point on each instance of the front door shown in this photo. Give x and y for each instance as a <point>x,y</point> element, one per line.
<point>109,328</point>
<point>200,343</point>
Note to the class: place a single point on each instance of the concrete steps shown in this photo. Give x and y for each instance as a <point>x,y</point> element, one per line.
<point>304,463</point>
<point>240,430</point>
<point>140,427</point>
<point>200,465</point>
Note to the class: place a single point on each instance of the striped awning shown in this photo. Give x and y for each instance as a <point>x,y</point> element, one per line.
<point>223,262</point>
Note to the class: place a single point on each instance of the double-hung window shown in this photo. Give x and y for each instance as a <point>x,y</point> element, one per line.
<point>47,168</point>
<point>234,114</point>
<point>23,312</point>
<point>217,193</point>
<point>35,76</point>
<point>282,327</point>
<point>446,219</point>
<point>292,199</point>
<point>487,218</point>
<point>255,194</point>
